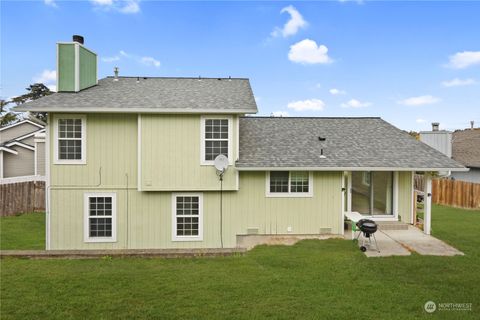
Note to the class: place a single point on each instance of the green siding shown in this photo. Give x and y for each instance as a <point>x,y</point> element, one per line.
<point>111,148</point>
<point>171,155</point>
<point>405,196</point>
<point>66,67</point>
<point>88,68</point>
<point>148,222</point>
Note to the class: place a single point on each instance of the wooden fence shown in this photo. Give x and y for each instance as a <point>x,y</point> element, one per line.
<point>22,197</point>
<point>456,193</point>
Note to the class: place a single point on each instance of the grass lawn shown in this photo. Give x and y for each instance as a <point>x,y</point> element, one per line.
<point>26,231</point>
<point>328,279</point>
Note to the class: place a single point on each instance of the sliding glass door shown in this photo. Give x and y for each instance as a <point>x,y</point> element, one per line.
<point>372,192</point>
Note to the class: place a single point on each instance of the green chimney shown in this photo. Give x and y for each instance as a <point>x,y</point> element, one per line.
<point>76,66</point>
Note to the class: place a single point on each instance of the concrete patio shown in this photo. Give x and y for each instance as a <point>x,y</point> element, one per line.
<point>404,242</point>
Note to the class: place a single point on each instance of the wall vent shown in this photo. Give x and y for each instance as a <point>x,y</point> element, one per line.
<point>252,230</point>
<point>325,230</point>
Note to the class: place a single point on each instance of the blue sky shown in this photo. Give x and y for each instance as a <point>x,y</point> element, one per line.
<point>410,63</point>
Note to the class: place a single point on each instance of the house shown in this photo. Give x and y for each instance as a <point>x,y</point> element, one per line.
<point>461,145</point>
<point>466,150</point>
<point>131,164</point>
<point>22,149</point>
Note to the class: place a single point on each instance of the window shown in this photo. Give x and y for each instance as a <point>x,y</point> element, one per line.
<point>216,138</point>
<point>289,184</point>
<point>100,217</point>
<point>70,140</point>
<point>187,217</point>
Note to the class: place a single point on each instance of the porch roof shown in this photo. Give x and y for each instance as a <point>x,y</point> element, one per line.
<point>346,143</point>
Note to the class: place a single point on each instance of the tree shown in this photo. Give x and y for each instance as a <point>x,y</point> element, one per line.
<point>6,117</point>
<point>35,91</point>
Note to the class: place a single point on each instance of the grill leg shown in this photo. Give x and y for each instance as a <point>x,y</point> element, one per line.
<point>375,239</point>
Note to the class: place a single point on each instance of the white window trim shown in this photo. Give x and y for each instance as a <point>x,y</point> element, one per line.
<point>86,211</point>
<point>289,194</point>
<point>174,217</point>
<point>204,162</point>
<point>56,160</point>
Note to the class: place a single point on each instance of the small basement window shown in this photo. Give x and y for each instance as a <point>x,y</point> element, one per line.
<point>100,217</point>
<point>289,184</point>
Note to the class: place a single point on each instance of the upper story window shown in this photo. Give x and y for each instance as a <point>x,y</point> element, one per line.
<point>289,184</point>
<point>216,136</point>
<point>100,217</point>
<point>70,138</point>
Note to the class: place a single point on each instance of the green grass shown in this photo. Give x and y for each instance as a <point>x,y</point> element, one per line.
<point>26,231</point>
<point>314,279</point>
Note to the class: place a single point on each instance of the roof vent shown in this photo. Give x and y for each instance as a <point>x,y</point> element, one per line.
<point>321,138</point>
<point>472,123</point>
<point>138,79</point>
<point>115,71</point>
<point>435,126</point>
<point>322,156</point>
<point>77,38</point>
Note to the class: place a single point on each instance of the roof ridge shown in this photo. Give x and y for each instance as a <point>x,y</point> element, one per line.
<point>193,78</point>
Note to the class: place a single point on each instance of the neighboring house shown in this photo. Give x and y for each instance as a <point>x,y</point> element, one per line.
<point>466,150</point>
<point>130,164</point>
<point>462,145</point>
<point>22,149</point>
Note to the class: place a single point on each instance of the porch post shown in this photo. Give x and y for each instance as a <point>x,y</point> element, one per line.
<point>427,203</point>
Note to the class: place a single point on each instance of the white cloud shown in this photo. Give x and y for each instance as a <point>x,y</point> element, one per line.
<point>318,85</point>
<point>52,87</point>
<point>110,59</point>
<point>419,101</point>
<point>461,60</point>
<point>145,60</point>
<point>354,103</point>
<point>50,3</point>
<point>149,61</point>
<point>295,23</point>
<point>122,6</point>
<point>307,105</point>
<point>420,120</point>
<point>47,77</point>
<point>459,82</point>
<point>336,91</point>
<point>308,52</point>
<point>279,114</point>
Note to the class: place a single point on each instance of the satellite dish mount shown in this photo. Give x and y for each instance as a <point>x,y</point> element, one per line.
<point>221,165</point>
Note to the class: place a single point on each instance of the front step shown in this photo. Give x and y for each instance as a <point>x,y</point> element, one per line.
<point>392,225</point>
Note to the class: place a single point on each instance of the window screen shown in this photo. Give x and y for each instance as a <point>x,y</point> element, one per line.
<point>100,217</point>
<point>187,216</point>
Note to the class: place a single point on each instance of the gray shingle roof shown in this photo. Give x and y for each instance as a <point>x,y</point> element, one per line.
<point>350,143</point>
<point>153,95</point>
<point>466,147</point>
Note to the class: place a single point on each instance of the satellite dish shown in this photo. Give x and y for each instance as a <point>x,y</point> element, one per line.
<point>221,163</point>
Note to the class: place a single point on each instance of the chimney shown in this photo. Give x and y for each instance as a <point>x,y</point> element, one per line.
<point>435,126</point>
<point>77,38</point>
<point>76,66</point>
<point>472,123</point>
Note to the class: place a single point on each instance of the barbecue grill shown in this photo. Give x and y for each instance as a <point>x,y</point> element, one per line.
<point>367,231</point>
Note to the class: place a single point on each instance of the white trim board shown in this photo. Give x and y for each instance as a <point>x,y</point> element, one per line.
<point>20,144</point>
<point>12,151</point>
<point>134,109</point>
<point>21,122</point>
<point>30,134</point>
